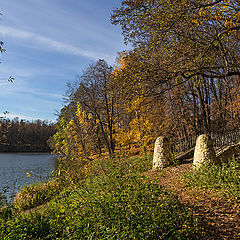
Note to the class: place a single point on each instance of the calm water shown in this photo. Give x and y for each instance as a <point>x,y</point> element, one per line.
<point>19,169</point>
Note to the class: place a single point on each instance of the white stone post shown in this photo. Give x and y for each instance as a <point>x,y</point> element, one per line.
<point>162,153</point>
<point>204,151</point>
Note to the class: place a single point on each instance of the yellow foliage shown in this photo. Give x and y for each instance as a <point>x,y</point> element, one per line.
<point>139,130</point>
<point>121,62</point>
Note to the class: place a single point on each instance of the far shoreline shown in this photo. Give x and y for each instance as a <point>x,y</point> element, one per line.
<point>32,152</point>
<point>5,148</point>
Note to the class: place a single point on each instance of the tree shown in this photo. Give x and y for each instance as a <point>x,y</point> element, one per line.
<point>181,79</point>
<point>183,39</point>
<point>188,43</point>
<point>23,135</point>
<point>90,109</point>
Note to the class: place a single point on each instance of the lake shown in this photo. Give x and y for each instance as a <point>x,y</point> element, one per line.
<point>19,169</point>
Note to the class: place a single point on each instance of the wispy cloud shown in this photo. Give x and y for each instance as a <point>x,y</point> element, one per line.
<point>3,82</point>
<point>41,92</point>
<point>50,43</point>
<point>25,117</point>
<point>20,88</point>
<point>17,72</point>
<point>11,116</point>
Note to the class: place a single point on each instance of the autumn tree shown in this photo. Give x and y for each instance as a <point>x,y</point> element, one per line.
<point>180,79</point>
<point>181,43</point>
<point>185,38</point>
<point>21,135</point>
<point>90,109</point>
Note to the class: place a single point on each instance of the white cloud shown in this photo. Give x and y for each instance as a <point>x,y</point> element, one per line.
<point>47,43</point>
<point>11,116</point>
<point>41,92</point>
<point>4,83</point>
<point>9,70</point>
<point>15,33</point>
<point>21,89</point>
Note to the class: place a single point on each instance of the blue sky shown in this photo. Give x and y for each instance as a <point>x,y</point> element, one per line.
<point>49,42</point>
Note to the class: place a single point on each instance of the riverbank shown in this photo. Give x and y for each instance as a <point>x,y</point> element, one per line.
<point>122,198</point>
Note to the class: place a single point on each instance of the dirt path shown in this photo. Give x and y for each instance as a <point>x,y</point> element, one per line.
<point>219,216</point>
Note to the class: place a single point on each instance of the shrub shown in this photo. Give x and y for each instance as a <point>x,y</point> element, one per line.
<point>36,194</point>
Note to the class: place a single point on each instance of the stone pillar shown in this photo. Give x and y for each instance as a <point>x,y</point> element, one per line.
<point>162,153</point>
<point>204,151</point>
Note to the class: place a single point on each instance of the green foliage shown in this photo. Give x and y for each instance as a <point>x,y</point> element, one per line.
<point>5,207</point>
<point>36,194</point>
<point>114,202</point>
<point>225,178</point>
<point>3,198</point>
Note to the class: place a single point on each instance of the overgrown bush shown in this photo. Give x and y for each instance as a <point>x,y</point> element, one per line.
<point>5,207</point>
<point>36,194</point>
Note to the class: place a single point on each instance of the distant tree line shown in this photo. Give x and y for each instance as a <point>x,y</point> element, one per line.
<point>25,136</point>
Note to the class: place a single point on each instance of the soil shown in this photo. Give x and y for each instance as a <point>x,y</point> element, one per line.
<point>219,215</point>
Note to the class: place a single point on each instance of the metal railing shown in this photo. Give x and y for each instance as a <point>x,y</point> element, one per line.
<point>219,141</point>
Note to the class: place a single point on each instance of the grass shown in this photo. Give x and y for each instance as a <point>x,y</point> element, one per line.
<point>224,178</point>
<point>36,194</point>
<point>114,201</point>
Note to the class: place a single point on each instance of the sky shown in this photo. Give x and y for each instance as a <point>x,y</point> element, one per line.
<point>50,42</point>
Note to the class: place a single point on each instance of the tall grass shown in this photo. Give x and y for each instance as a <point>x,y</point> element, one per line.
<point>36,194</point>
<point>114,201</point>
<point>225,178</point>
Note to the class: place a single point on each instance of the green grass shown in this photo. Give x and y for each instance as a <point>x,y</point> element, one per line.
<point>115,201</point>
<point>224,178</point>
<point>36,194</point>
